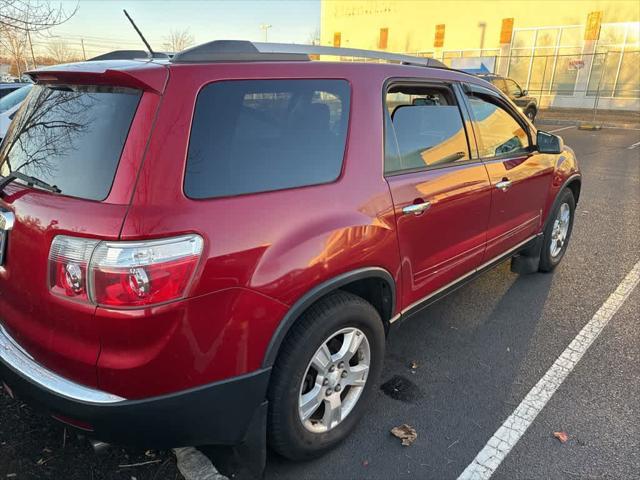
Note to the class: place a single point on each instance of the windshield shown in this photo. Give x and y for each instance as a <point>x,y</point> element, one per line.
<point>14,98</point>
<point>70,136</point>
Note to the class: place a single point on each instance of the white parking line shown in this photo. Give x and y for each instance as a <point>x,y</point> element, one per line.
<point>563,128</point>
<point>507,436</point>
<point>631,147</point>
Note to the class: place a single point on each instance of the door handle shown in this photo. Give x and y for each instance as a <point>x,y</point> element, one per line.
<point>504,185</point>
<point>416,208</point>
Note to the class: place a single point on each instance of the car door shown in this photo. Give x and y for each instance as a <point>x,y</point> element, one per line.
<point>441,191</point>
<point>519,175</point>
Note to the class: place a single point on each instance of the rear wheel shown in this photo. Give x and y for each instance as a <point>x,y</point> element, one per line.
<point>326,371</point>
<point>558,232</point>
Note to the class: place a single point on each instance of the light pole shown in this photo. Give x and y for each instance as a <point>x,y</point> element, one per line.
<point>266,27</point>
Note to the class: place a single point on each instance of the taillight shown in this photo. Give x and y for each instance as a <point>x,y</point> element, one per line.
<point>124,274</point>
<point>68,266</point>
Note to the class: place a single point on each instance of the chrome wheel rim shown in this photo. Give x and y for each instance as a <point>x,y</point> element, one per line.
<point>560,230</point>
<point>334,380</point>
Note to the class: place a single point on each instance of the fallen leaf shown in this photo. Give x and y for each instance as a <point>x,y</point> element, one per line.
<point>406,433</point>
<point>562,436</point>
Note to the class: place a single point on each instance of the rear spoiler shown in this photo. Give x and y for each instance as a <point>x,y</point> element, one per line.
<point>148,76</point>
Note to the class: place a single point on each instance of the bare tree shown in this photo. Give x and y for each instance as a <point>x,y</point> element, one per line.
<point>59,50</point>
<point>31,15</point>
<point>20,20</point>
<point>178,40</point>
<point>14,44</point>
<point>314,37</point>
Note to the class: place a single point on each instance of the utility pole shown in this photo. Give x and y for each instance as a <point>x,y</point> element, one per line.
<point>84,54</point>
<point>33,57</point>
<point>266,27</point>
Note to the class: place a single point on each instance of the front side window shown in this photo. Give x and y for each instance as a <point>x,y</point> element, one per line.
<point>500,85</point>
<point>499,133</point>
<point>251,136</point>
<point>513,88</point>
<point>428,127</point>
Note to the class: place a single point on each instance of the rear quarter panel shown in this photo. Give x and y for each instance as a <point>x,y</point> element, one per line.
<point>276,244</point>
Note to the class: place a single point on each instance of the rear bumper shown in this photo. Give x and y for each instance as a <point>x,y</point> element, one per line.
<point>220,413</point>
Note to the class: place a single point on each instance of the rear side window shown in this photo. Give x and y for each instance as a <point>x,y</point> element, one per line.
<point>252,136</point>
<point>71,137</point>
<point>428,127</point>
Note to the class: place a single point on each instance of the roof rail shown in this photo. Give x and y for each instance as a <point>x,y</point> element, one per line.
<point>127,55</point>
<point>242,50</point>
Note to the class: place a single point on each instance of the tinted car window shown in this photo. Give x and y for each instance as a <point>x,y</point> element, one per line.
<point>71,137</point>
<point>499,132</point>
<point>14,98</point>
<point>252,136</point>
<point>428,128</point>
<point>513,88</point>
<point>500,85</point>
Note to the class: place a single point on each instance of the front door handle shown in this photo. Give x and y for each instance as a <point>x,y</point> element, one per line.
<point>416,208</point>
<point>504,185</point>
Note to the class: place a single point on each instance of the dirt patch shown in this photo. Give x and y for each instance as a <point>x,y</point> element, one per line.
<point>34,446</point>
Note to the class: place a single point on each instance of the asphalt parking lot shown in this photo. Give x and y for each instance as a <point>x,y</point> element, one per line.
<point>476,354</point>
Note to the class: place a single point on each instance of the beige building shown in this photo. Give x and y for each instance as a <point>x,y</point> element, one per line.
<point>566,52</point>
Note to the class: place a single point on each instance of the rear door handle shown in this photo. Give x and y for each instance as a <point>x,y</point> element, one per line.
<point>416,208</point>
<point>504,185</point>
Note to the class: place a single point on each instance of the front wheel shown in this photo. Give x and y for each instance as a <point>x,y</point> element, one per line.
<point>324,376</point>
<point>558,231</point>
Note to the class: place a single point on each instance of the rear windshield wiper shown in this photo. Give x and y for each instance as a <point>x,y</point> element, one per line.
<point>29,180</point>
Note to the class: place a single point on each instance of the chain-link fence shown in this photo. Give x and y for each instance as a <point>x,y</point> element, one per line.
<point>606,80</point>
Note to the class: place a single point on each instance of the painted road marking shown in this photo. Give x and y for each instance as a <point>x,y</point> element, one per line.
<point>508,435</point>
<point>631,147</point>
<point>563,128</point>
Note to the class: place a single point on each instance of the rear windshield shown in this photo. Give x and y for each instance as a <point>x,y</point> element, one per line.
<point>253,136</point>
<point>71,137</point>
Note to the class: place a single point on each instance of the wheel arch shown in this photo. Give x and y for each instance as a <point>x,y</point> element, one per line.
<point>573,183</point>
<point>374,284</point>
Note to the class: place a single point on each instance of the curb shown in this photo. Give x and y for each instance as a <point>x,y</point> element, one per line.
<point>578,123</point>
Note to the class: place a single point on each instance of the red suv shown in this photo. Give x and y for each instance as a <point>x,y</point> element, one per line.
<point>198,249</point>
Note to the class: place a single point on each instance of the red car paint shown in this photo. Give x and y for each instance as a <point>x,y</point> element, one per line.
<point>262,252</point>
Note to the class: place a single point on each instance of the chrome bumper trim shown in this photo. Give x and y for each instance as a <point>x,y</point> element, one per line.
<point>13,355</point>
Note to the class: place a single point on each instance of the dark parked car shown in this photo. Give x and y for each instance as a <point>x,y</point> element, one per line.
<point>527,104</point>
<point>204,249</point>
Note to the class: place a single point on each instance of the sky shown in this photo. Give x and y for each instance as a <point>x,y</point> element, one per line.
<point>103,26</point>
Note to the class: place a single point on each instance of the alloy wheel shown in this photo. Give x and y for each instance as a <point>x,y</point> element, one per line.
<point>560,230</point>
<point>334,380</point>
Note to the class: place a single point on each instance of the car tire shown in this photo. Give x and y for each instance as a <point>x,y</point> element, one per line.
<point>304,375</point>
<point>558,231</point>
<point>531,114</point>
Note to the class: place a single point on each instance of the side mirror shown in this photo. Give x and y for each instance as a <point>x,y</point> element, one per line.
<point>524,93</point>
<point>549,143</point>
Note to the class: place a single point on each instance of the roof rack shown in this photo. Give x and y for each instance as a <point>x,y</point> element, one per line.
<point>127,55</point>
<point>242,50</point>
